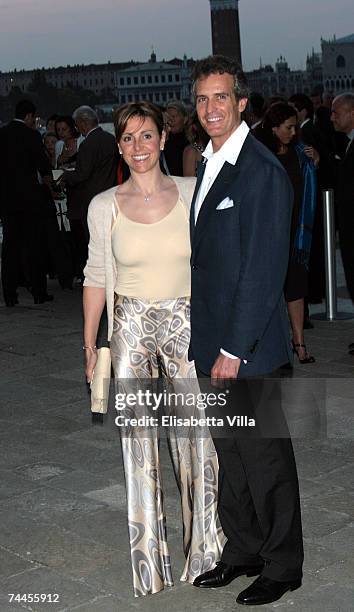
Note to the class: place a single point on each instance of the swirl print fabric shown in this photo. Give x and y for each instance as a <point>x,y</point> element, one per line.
<point>151,338</point>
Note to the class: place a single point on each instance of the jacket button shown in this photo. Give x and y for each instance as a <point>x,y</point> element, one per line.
<point>194,267</point>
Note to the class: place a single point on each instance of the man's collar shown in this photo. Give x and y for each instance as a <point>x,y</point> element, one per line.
<point>230,150</point>
<point>351,135</point>
<point>19,120</point>
<point>92,130</point>
<point>304,122</point>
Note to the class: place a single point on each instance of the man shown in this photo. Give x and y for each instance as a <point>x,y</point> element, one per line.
<point>24,167</point>
<point>177,140</point>
<point>240,227</point>
<point>310,135</point>
<point>343,120</point>
<point>96,171</point>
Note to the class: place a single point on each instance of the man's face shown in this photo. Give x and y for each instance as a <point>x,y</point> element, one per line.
<point>175,120</point>
<point>342,116</point>
<point>316,101</point>
<point>218,110</point>
<point>81,126</point>
<point>30,120</point>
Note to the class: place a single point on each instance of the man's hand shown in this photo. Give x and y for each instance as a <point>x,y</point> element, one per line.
<point>225,367</point>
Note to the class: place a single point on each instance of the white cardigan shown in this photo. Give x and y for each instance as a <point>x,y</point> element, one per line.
<point>100,270</point>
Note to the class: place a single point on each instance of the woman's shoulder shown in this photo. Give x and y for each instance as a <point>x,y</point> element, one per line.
<point>102,202</point>
<point>185,186</point>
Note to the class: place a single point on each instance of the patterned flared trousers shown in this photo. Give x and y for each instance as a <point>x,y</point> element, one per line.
<point>152,337</point>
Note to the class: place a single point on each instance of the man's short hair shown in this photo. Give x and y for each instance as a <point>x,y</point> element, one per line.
<point>24,108</point>
<point>346,99</point>
<point>220,64</point>
<point>179,106</point>
<point>301,102</point>
<point>85,113</point>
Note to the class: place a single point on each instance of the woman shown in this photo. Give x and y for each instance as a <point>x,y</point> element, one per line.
<point>278,132</point>
<point>139,265</point>
<point>68,142</point>
<point>198,139</point>
<point>50,140</point>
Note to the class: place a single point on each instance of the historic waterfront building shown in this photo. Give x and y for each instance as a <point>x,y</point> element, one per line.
<point>225,28</point>
<point>283,81</point>
<point>338,64</point>
<point>158,82</point>
<point>98,78</point>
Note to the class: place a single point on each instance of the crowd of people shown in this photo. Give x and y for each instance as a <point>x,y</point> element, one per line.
<point>303,132</point>
<point>201,234</point>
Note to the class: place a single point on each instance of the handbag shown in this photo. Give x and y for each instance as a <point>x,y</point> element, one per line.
<point>101,380</point>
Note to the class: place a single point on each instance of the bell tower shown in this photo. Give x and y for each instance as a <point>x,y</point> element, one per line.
<point>225,28</point>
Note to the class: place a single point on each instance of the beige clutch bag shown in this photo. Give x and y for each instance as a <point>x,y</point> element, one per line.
<point>101,381</point>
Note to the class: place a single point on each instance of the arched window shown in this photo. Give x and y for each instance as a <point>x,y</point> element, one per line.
<point>348,84</point>
<point>340,63</point>
<point>352,82</point>
<point>342,84</point>
<point>337,84</point>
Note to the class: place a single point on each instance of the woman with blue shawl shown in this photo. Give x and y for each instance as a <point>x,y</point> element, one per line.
<point>278,133</point>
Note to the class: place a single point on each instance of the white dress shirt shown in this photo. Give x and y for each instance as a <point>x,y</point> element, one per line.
<point>229,152</point>
<point>351,138</point>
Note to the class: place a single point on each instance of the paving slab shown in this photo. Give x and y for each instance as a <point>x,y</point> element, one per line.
<point>63,521</point>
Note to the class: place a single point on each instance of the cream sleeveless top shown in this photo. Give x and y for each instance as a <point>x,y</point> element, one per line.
<point>153,259</point>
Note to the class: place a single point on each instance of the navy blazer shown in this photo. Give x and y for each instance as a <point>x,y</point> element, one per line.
<point>239,262</point>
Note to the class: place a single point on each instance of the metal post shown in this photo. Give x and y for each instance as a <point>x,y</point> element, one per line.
<point>330,254</point>
<point>331,313</point>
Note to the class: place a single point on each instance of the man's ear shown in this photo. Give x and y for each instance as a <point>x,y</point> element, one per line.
<point>242,103</point>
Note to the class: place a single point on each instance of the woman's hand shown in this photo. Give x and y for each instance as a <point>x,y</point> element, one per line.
<point>91,360</point>
<point>313,154</point>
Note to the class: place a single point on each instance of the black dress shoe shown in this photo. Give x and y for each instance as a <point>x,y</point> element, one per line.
<point>40,299</point>
<point>264,591</point>
<point>351,346</point>
<point>351,352</point>
<point>223,574</point>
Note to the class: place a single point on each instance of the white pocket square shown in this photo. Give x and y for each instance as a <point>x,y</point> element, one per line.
<point>226,203</point>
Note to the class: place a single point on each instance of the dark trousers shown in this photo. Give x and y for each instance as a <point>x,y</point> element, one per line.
<point>80,240</point>
<point>346,240</point>
<point>258,505</point>
<point>22,254</point>
<point>59,250</point>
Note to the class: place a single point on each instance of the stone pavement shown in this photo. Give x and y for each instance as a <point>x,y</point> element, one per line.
<point>62,496</point>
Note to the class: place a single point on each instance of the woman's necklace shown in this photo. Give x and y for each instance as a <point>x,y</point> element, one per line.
<point>147,196</point>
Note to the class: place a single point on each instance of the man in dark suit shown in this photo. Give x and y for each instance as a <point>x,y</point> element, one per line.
<point>24,167</point>
<point>343,121</point>
<point>240,227</point>
<point>95,171</point>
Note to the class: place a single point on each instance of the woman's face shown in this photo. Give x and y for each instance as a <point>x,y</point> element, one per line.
<point>286,131</point>
<point>49,144</point>
<point>64,131</point>
<point>141,143</point>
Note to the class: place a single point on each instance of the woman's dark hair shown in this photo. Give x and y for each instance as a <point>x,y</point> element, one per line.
<point>220,64</point>
<point>276,115</point>
<point>195,131</point>
<point>52,118</point>
<point>143,110</point>
<point>69,122</point>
